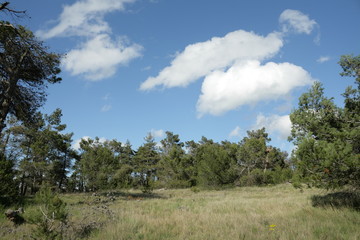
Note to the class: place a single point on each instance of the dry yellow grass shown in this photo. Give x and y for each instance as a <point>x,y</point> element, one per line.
<point>277,212</point>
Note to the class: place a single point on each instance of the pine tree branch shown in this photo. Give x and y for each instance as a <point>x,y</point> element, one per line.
<point>4,6</point>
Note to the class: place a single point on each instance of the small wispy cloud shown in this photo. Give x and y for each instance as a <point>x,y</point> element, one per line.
<point>323,59</point>
<point>235,132</point>
<point>106,97</point>
<point>106,108</point>
<point>296,21</point>
<point>147,68</point>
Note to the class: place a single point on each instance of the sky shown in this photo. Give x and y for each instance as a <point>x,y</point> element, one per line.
<point>213,68</point>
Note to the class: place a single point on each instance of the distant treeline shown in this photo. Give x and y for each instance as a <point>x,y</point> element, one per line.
<point>39,153</point>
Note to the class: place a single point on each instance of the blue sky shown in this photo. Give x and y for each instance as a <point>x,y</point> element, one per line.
<point>213,68</point>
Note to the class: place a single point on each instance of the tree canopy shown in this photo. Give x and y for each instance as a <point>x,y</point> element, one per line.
<point>327,136</point>
<point>26,67</point>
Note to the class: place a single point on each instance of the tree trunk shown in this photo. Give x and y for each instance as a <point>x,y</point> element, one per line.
<point>5,101</point>
<point>9,85</point>
<point>63,172</point>
<point>3,113</point>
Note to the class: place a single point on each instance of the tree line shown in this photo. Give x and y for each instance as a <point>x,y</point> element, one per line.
<point>41,153</point>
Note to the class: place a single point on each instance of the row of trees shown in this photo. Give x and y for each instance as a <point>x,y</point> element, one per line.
<point>40,153</point>
<point>176,164</point>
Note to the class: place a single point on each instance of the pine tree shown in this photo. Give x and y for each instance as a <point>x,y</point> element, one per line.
<point>145,164</point>
<point>327,137</point>
<point>26,67</point>
<point>173,164</point>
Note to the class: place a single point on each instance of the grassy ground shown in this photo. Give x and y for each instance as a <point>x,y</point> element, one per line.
<point>278,212</point>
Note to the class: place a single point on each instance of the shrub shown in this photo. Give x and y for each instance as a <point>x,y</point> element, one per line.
<point>195,189</point>
<point>49,215</point>
<point>258,177</point>
<point>8,187</point>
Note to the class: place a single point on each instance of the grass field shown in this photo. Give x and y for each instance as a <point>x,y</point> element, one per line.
<point>277,212</point>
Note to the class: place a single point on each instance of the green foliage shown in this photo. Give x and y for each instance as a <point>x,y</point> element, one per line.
<point>174,167</point>
<point>259,177</point>
<point>122,177</point>
<point>215,166</point>
<point>97,164</point>
<point>26,67</point>
<point>43,153</point>
<point>281,175</point>
<point>252,151</point>
<point>256,177</point>
<point>328,137</point>
<point>145,165</point>
<point>317,116</point>
<point>49,215</point>
<point>8,186</point>
<point>102,165</point>
<point>195,189</point>
<point>260,164</point>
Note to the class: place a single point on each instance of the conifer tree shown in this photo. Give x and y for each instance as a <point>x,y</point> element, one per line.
<point>145,164</point>
<point>327,137</point>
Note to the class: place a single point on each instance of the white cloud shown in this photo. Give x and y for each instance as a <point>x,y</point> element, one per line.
<point>200,59</point>
<point>157,133</point>
<point>235,132</point>
<point>249,83</point>
<point>234,69</point>
<point>293,20</point>
<point>99,57</point>
<point>106,108</point>
<point>84,18</point>
<point>323,59</point>
<point>76,144</point>
<point>274,124</point>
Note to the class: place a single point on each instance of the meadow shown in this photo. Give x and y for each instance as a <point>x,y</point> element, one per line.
<point>273,212</point>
